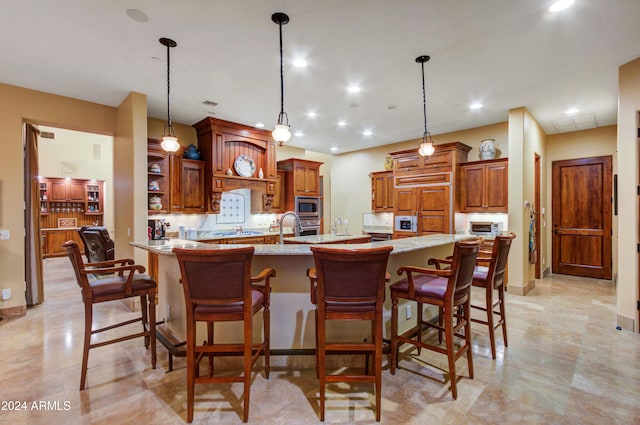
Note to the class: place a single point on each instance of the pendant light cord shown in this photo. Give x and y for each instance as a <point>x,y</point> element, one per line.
<point>169,89</point>
<point>282,114</point>
<point>424,103</point>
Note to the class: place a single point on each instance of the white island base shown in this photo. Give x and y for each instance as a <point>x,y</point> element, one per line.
<point>292,314</point>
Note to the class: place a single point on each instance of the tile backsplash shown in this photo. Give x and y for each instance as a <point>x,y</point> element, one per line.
<point>235,210</point>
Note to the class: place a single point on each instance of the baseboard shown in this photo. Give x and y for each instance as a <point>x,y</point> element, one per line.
<point>13,312</point>
<point>626,323</point>
<point>521,290</point>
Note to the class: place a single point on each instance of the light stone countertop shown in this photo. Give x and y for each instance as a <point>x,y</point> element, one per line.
<point>377,229</point>
<point>324,239</point>
<point>164,247</point>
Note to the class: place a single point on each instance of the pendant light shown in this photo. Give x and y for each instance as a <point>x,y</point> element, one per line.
<point>281,133</point>
<point>169,139</point>
<point>426,147</point>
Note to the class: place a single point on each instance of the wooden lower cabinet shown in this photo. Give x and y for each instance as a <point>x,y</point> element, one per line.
<point>52,241</point>
<point>268,239</point>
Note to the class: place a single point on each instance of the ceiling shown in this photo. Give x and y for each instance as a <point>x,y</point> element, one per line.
<point>502,53</point>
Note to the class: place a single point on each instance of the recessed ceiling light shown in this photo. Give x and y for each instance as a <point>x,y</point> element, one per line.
<point>353,89</point>
<point>298,134</point>
<point>300,63</point>
<point>342,123</point>
<point>476,105</point>
<point>367,133</point>
<point>560,5</point>
<point>572,111</point>
<point>260,125</point>
<point>312,114</point>
<point>137,15</point>
<point>334,148</point>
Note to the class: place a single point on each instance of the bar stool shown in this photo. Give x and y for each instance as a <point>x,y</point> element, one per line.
<point>218,287</point>
<point>349,285</point>
<point>489,274</point>
<point>125,280</point>
<point>449,290</point>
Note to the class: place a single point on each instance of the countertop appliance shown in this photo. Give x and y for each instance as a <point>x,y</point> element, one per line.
<point>406,223</point>
<point>485,228</point>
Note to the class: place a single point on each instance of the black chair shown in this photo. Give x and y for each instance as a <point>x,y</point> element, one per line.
<point>98,245</point>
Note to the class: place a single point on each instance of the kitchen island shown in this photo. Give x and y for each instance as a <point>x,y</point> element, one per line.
<point>331,238</point>
<point>292,313</point>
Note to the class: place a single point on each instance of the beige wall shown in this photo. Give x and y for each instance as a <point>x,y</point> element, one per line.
<point>186,134</point>
<point>351,185</point>
<point>578,144</point>
<point>78,148</point>
<point>19,105</point>
<point>628,124</point>
<point>526,139</point>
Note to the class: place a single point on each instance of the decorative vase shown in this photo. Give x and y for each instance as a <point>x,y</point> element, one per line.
<point>488,149</point>
<point>155,203</point>
<point>192,152</point>
<point>261,173</point>
<point>388,163</point>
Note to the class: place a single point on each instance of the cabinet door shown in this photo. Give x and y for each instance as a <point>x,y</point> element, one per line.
<point>378,193</point>
<point>58,188</point>
<point>311,181</point>
<point>192,185</point>
<point>405,201</point>
<point>434,209</point>
<point>277,204</point>
<point>76,190</point>
<point>55,239</point>
<point>497,189</point>
<point>472,191</point>
<point>389,189</point>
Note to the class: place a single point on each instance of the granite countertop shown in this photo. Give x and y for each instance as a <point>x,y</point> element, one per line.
<point>323,239</point>
<point>378,229</point>
<point>212,235</point>
<point>164,247</point>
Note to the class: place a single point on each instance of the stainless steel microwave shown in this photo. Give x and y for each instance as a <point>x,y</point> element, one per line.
<point>307,206</point>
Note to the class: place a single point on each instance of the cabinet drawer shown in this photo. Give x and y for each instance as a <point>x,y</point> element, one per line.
<point>423,179</point>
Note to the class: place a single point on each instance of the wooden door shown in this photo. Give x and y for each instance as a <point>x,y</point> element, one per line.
<point>378,197</point>
<point>192,185</point>
<point>311,179</point>
<point>434,209</point>
<point>581,212</point>
<point>76,190</point>
<point>58,190</point>
<point>388,193</point>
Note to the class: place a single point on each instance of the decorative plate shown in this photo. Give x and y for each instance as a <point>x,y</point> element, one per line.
<point>244,166</point>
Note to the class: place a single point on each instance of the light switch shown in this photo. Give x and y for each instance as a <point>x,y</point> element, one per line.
<point>4,234</point>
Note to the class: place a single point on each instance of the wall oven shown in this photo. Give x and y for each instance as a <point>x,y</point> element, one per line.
<point>308,207</point>
<point>309,226</point>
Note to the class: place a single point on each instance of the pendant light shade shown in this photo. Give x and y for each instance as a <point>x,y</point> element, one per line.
<point>169,139</point>
<point>281,132</point>
<point>426,147</point>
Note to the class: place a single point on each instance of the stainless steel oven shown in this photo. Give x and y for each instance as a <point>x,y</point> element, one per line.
<point>308,207</point>
<point>309,226</point>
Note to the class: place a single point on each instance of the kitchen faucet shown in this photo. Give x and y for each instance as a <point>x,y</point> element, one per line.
<point>335,225</point>
<point>296,229</point>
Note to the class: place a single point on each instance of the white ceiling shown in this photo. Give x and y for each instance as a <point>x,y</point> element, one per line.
<point>503,53</point>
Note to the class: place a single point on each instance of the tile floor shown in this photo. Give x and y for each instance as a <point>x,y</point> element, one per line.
<point>565,364</point>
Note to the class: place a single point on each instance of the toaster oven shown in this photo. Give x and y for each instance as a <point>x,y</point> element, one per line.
<point>485,228</point>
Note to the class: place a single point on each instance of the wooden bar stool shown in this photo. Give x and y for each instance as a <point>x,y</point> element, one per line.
<point>125,280</point>
<point>349,285</point>
<point>218,287</point>
<point>449,290</point>
<point>489,274</point>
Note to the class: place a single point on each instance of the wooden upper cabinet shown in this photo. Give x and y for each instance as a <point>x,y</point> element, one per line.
<point>405,201</point>
<point>484,186</point>
<point>63,190</point>
<point>382,191</point>
<point>187,186</point>
<point>302,178</point>
<point>434,209</point>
